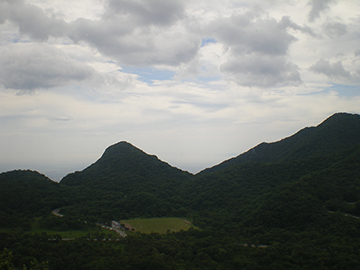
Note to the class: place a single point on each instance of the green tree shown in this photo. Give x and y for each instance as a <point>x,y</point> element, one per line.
<point>6,260</point>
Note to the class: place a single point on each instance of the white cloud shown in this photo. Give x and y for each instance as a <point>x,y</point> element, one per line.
<point>137,45</point>
<point>318,7</point>
<point>171,77</point>
<point>335,29</point>
<point>33,66</point>
<point>252,33</point>
<point>258,46</point>
<point>31,20</point>
<point>156,12</point>
<point>27,67</point>
<point>262,70</point>
<point>334,71</point>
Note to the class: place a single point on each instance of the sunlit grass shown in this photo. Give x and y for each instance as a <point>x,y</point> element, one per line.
<point>158,225</point>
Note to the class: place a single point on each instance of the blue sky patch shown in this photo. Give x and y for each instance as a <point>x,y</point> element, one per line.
<point>150,74</point>
<point>205,41</point>
<point>346,90</point>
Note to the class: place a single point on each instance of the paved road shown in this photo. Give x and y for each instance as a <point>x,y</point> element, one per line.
<point>118,231</point>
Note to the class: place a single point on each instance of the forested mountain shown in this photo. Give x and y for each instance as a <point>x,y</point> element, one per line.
<point>298,199</point>
<point>239,191</point>
<point>128,169</point>
<point>28,193</point>
<point>128,183</point>
<point>336,133</point>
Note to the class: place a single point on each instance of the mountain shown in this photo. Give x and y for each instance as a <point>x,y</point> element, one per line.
<point>128,169</point>
<point>336,133</point>
<point>28,194</point>
<point>291,204</point>
<point>290,195</point>
<point>127,182</point>
<point>285,184</point>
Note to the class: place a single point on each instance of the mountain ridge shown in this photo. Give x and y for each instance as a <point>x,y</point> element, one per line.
<point>307,142</point>
<point>298,199</point>
<point>122,164</point>
<point>123,159</point>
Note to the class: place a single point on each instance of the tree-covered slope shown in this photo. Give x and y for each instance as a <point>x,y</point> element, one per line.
<point>338,132</point>
<point>141,185</point>
<point>128,169</point>
<point>28,194</point>
<point>293,204</point>
<point>126,182</point>
<point>252,198</point>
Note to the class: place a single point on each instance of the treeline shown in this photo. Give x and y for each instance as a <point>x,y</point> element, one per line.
<point>185,250</point>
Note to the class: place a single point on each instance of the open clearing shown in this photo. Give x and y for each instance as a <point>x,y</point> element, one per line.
<point>158,225</point>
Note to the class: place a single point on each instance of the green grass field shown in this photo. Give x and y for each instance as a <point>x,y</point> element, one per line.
<point>158,225</point>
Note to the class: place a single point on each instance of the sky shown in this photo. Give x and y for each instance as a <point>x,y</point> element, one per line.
<point>193,82</point>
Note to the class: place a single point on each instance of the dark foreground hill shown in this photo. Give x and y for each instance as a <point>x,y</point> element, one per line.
<point>28,193</point>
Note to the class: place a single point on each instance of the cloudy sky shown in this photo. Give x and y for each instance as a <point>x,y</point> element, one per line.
<point>193,82</point>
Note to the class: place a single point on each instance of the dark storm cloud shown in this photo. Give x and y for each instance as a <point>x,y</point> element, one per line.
<point>29,67</point>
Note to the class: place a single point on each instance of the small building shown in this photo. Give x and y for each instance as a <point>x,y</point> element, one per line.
<point>115,225</point>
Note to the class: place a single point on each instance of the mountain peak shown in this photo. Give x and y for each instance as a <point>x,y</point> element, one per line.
<point>341,119</point>
<point>338,132</point>
<point>123,153</point>
<point>121,163</point>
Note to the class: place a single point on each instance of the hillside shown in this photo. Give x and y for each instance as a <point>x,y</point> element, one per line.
<point>340,131</point>
<point>127,169</point>
<point>291,204</point>
<point>134,183</point>
<point>28,194</point>
<point>129,183</point>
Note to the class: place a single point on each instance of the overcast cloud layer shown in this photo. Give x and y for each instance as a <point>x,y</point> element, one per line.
<point>194,82</point>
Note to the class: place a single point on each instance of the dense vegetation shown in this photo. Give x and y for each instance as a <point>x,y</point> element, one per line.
<point>291,204</point>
